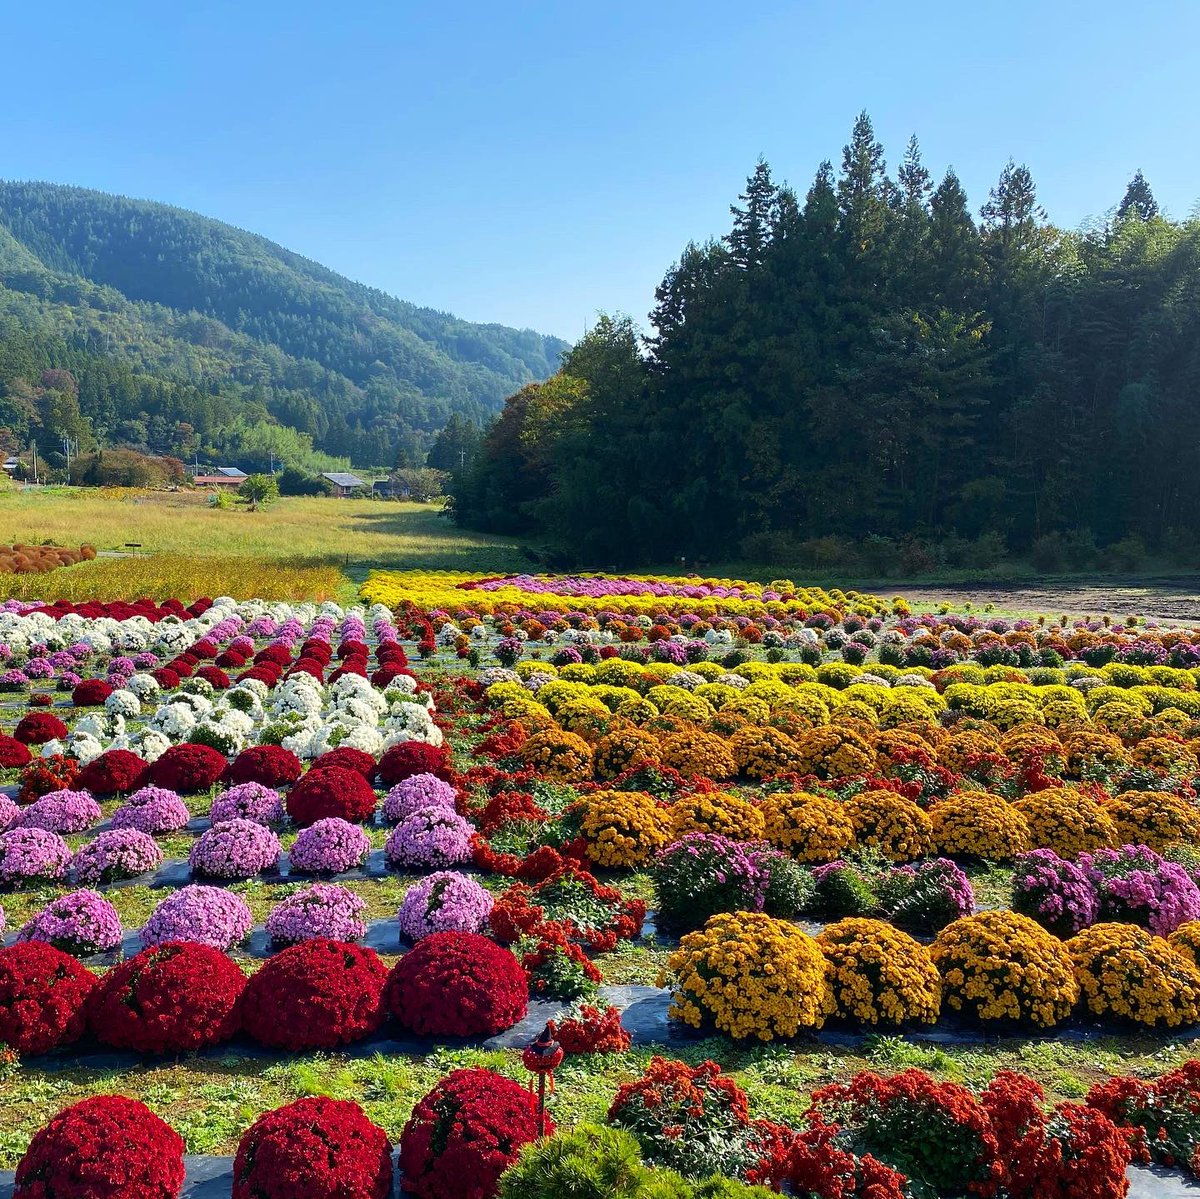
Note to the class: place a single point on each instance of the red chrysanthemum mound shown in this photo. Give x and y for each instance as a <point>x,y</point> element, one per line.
<point>43,993</point>
<point>166,678</point>
<point>13,753</point>
<point>814,1164</point>
<point>90,692</point>
<point>464,1134</point>
<point>187,767</point>
<point>114,771</point>
<point>457,985</point>
<point>347,757</point>
<point>333,791</point>
<point>271,765</point>
<point>172,998</point>
<point>414,757</point>
<point>315,995</point>
<point>36,728</point>
<point>214,676</point>
<point>318,1148</point>
<point>107,1147</point>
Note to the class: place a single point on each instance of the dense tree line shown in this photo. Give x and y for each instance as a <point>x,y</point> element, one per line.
<point>870,365</point>
<point>198,303</point>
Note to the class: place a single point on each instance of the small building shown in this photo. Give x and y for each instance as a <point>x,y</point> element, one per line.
<point>229,482</point>
<point>11,463</point>
<point>343,482</point>
<point>232,472</point>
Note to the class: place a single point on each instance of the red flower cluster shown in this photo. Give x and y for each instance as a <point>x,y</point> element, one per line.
<point>271,765</point>
<point>107,1147</point>
<point>504,742</point>
<point>814,1164</point>
<point>593,1031</point>
<point>331,791</point>
<point>186,768</point>
<point>346,757</point>
<point>43,993</point>
<point>540,966</point>
<point>171,998</point>
<point>115,770</point>
<point>315,995</point>
<point>674,1086</point>
<point>214,676</point>
<point>321,1148</point>
<point>508,807</point>
<point>36,728</point>
<point>1159,1120</point>
<point>414,757</point>
<point>12,753</point>
<point>456,984</point>
<point>43,775</point>
<point>90,692</point>
<point>464,1134</point>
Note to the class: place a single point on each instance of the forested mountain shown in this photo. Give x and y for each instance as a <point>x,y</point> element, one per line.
<point>168,318</point>
<point>870,369</point>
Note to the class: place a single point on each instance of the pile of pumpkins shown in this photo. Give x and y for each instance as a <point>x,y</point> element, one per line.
<point>23,559</point>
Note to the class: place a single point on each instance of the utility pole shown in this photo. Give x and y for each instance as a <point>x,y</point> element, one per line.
<point>66,445</point>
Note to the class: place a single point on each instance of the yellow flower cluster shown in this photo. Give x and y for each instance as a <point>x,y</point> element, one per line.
<point>891,824</point>
<point>835,752</point>
<point>1087,749</point>
<point>978,824</point>
<point>1001,965</point>
<point>879,974</point>
<point>750,976</point>
<point>1066,821</point>
<point>1127,973</point>
<point>1185,940</point>
<point>1154,818</point>
<point>693,752</point>
<point>716,812</point>
<point>1166,754</point>
<point>809,827</point>
<point>622,829</point>
<point>761,753</point>
<point>622,749</point>
<point>558,756</point>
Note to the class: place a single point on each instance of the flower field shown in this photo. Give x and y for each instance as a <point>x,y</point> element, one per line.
<point>811,892</point>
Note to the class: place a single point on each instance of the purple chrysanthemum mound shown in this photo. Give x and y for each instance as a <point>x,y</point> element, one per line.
<point>116,853</point>
<point>430,837</point>
<point>1054,892</point>
<point>80,923</point>
<point>416,792</point>
<point>322,910</point>
<point>207,915</point>
<point>329,846</point>
<point>32,855</point>
<point>152,810</point>
<point>62,812</point>
<point>248,801</point>
<point>1137,885</point>
<point>234,849</point>
<point>444,902</point>
<point>9,813</point>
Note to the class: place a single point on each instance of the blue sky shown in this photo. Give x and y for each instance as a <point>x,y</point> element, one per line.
<point>533,163</point>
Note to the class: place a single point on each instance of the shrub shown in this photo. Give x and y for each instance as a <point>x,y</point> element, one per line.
<point>444,901</point>
<point>880,975</point>
<point>329,846</point>
<point>926,897</point>
<point>1055,893</point>
<point>414,757</point>
<point>152,810</point>
<point>1066,821</point>
<point>316,994</point>
<point>271,765</point>
<point>810,827</point>
<point>333,791</point>
<point>1154,818</point>
<point>12,753</point>
<point>430,837</point>
<point>622,829</point>
<point>816,1164</point>
<point>32,855</point>
<point>319,1148</point>
<point>114,854</point>
<point>114,771</point>
<point>1160,1119</point>
<point>36,728</point>
<point>248,801</point>
<point>106,1147</point>
<point>346,757</point>
<point>43,993</point>
<point>175,997</point>
<point>1002,966</point>
<point>977,824</point>
<point>1126,973</point>
<point>558,756</point>
<point>186,768</point>
<point>1133,883</point>
<point>207,915</point>
<point>90,693</point>
<point>843,889</point>
<point>464,1133</point>
<point>322,910</point>
<point>750,976</point>
<point>590,1162</point>
<point>80,923</point>
<point>456,984</point>
<point>890,824</point>
<point>416,792</point>
<point>589,1029</point>
<point>234,849</point>
<point>61,812</point>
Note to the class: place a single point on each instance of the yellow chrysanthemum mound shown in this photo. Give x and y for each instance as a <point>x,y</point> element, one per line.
<point>750,976</point>
<point>893,825</point>
<point>1166,754</point>
<point>835,752</point>
<point>958,750</point>
<point>1003,966</point>
<point>621,750</point>
<point>695,752</point>
<point>558,756</point>
<point>977,824</point>
<point>1126,973</point>
<point>1088,748</point>
<point>1185,940</point>
<point>716,812</point>
<point>1066,821</point>
<point>622,829</point>
<point>1154,818</point>
<point>762,753</point>
<point>879,974</point>
<point>810,827</point>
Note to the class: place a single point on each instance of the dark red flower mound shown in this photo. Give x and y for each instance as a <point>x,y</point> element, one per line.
<point>457,985</point>
<point>318,1148</point>
<point>465,1133</point>
<point>347,757</point>
<point>414,757</point>
<point>315,995</point>
<point>279,654</point>
<point>271,765</point>
<point>39,727</point>
<point>115,770</point>
<point>186,768</point>
<point>12,753</point>
<point>330,791</point>
<point>166,678</point>
<point>172,998</point>
<point>213,675</point>
<point>107,1147</point>
<point>42,996</point>
<point>231,658</point>
<point>90,692</point>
